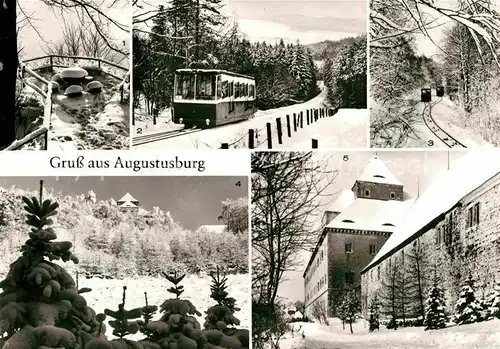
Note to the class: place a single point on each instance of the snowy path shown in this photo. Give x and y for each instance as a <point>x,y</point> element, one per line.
<point>347,129</point>
<point>480,335</point>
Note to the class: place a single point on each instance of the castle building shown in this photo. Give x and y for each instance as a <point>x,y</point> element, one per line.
<point>355,227</point>
<point>128,204</point>
<point>453,227</point>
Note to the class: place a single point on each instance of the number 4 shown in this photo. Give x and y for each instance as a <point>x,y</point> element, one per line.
<point>238,184</point>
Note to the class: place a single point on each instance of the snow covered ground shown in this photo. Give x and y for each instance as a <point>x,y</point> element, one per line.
<point>347,129</point>
<point>483,335</point>
<point>447,116</point>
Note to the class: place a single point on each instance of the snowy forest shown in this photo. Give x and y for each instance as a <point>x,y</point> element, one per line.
<point>196,34</point>
<point>464,38</point>
<point>44,304</point>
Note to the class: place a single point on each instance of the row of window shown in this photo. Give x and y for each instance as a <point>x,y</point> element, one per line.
<point>367,194</point>
<point>205,86</point>
<point>316,262</point>
<point>372,249</point>
<point>319,285</point>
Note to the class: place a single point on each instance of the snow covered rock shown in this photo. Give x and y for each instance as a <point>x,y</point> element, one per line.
<point>57,78</point>
<point>74,91</point>
<point>73,73</point>
<point>94,86</point>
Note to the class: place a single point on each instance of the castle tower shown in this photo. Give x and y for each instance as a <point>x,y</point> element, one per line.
<point>355,227</point>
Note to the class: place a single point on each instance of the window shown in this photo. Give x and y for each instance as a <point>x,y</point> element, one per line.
<point>348,248</point>
<point>373,249</point>
<point>378,273</point>
<point>252,90</point>
<point>349,277</point>
<point>438,236</point>
<point>237,90</point>
<point>393,195</point>
<point>185,86</point>
<point>367,193</point>
<point>231,88</point>
<point>378,176</point>
<point>388,224</point>
<point>205,86</point>
<point>225,89</point>
<point>347,221</point>
<point>473,215</point>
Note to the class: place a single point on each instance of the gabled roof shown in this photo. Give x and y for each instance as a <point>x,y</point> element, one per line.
<point>376,172</point>
<point>128,204</point>
<point>344,200</point>
<point>470,172</point>
<point>372,215</point>
<point>127,197</point>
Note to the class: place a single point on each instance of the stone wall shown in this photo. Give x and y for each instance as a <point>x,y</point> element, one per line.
<point>453,250</point>
<point>341,262</point>
<point>378,191</point>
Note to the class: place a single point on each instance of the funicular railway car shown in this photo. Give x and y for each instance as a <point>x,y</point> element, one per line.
<point>209,97</point>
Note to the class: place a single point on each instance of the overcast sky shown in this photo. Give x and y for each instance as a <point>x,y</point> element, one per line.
<point>308,21</point>
<point>192,201</point>
<point>49,23</point>
<point>409,167</point>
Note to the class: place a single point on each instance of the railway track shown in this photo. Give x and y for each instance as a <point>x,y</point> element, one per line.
<point>441,134</point>
<point>160,136</point>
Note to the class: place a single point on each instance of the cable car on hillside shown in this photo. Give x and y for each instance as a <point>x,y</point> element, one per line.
<point>210,97</point>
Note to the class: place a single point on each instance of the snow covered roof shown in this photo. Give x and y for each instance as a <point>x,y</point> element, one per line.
<point>376,172</point>
<point>371,215</point>
<point>128,204</point>
<point>215,71</point>
<point>345,199</point>
<point>213,228</point>
<point>470,172</point>
<point>128,197</point>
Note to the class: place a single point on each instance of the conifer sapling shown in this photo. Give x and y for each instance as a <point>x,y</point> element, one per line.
<point>40,305</point>
<point>467,308</point>
<point>435,316</point>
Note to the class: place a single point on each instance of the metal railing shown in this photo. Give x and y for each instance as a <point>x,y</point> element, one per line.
<point>28,68</point>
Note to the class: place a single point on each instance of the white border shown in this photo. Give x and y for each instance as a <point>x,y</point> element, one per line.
<point>201,163</point>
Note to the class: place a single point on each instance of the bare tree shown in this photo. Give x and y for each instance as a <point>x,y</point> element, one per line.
<point>287,190</point>
<point>83,38</point>
<point>92,10</point>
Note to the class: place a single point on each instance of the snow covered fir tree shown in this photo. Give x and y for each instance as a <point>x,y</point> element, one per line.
<point>435,316</point>
<point>196,37</point>
<point>43,304</point>
<point>467,309</point>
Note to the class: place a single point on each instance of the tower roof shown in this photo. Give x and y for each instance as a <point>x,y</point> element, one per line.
<point>344,200</point>
<point>128,197</point>
<point>376,172</point>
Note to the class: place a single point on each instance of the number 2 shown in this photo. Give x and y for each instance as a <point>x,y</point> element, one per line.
<point>139,130</point>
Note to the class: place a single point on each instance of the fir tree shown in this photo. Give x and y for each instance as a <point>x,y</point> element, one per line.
<point>349,309</point>
<point>493,302</point>
<point>148,311</point>
<point>220,321</point>
<point>40,305</point>
<point>467,308</point>
<point>435,316</point>
<point>177,328</point>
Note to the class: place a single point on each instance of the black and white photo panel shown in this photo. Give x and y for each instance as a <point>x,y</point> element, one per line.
<point>65,75</point>
<point>263,74</point>
<point>434,74</point>
<point>388,249</point>
<point>124,262</point>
